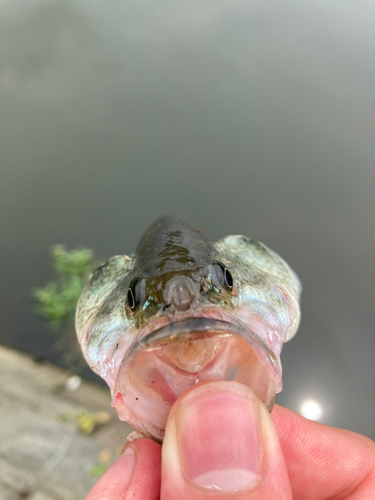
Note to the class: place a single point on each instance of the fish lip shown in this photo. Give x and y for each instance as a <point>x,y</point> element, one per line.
<point>175,330</point>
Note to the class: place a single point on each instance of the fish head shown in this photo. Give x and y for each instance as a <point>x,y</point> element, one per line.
<point>182,310</point>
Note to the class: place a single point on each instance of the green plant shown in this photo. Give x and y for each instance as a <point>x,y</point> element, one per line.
<point>56,301</point>
<point>105,458</point>
<point>97,470</point>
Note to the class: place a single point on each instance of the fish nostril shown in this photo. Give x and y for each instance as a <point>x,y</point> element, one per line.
<point>180,292</point>
<point>181,297</point>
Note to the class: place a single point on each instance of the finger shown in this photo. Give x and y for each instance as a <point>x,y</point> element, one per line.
<point>134,476</point>
<point>220,443</point>
<point>324,462</point>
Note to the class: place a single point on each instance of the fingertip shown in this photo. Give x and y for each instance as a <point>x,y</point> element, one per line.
<point>134,475</point>
<point>221,442</point>
<point>323,460</point>
<point>145,483</point>
<point>116,479</point>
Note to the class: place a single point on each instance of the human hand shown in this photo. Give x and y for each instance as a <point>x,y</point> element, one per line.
<point>221,443</point>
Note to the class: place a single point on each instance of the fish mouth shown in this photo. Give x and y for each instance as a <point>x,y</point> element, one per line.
<point>168,361</point>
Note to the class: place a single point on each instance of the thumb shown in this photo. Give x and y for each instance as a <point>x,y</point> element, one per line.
<point>220,443</point>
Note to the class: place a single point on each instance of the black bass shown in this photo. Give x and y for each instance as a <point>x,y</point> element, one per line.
<point>182,310</point>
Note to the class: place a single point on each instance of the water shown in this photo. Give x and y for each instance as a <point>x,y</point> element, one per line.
<point>239,117</point>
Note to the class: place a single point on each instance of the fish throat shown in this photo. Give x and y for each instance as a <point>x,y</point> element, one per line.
<point>174,358</point>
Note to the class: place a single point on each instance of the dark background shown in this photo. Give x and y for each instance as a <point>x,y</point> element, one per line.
<point>244,117</point>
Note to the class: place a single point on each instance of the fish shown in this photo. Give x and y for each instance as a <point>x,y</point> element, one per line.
<point>181,310</point>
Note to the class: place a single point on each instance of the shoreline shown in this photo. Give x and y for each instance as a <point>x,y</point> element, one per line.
<point>44,453</point>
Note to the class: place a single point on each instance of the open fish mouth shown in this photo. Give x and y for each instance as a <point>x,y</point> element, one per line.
<point>168,361</point>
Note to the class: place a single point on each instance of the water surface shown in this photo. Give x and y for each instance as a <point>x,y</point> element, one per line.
<point>240,117</point>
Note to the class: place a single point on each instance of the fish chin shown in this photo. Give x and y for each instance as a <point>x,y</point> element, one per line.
<point>168,361</point>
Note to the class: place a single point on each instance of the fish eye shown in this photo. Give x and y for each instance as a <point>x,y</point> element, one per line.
<point>224,276</point>
<point>136,293</point>
<point>228,279</point>
<point>131,300</point>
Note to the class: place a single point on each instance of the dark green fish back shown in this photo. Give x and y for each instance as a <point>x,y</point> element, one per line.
<point>170,247</point>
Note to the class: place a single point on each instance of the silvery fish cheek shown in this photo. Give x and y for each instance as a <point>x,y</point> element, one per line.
<point>182,310</point>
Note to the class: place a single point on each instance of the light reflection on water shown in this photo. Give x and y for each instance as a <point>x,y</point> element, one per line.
<point>311,409</point>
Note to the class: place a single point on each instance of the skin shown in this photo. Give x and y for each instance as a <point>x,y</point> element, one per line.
<point>304,460</point>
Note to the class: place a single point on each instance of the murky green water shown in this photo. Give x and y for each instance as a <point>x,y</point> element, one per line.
<point>240,117</point>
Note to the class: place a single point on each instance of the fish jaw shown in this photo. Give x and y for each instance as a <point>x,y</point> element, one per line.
<point>170,356</point>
